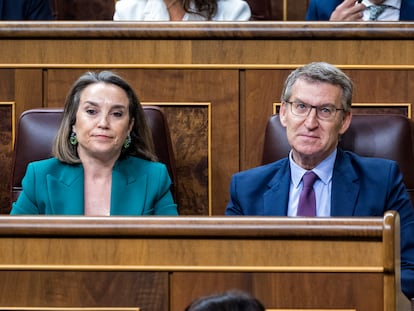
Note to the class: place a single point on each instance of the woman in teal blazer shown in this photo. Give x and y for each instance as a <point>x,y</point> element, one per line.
<point>103,161</point>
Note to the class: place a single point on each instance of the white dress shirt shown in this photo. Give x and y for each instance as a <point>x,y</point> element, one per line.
<point>391,13</point>
<point>156,10</point>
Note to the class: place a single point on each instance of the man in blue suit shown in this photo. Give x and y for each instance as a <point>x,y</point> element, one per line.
<point>316,111</point>
<point>351,10</point>
<point>25,10</point>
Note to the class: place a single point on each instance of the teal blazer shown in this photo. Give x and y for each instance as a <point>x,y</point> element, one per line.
<point>139,187</point>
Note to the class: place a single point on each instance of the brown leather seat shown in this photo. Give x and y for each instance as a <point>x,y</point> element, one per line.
<point>37,129</point>
<point>372,135</point>
<point>83,9</point>
<point>261,9</point>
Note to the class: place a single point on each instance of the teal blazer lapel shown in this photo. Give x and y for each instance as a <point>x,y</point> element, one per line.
<point>345,187</point>
<point>66,191</point>
<point>128,191</point>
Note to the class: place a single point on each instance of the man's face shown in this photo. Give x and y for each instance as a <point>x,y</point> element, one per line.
<point>312,139</point>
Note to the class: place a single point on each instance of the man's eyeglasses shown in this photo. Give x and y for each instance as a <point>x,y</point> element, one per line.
<point>325,112</point>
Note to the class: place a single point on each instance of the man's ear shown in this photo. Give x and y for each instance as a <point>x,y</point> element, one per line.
<point>346,122</point>
<point>282,114</point>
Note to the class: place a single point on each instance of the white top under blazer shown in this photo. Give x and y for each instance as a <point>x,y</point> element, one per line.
<point>156,10</point>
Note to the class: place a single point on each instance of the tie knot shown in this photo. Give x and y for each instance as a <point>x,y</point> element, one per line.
<point>309,179</point>
<point>376,10</point>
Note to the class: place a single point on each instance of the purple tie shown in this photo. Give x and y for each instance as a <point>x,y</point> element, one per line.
<point>307,201</point>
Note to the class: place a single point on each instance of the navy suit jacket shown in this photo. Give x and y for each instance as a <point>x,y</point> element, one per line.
<point>25,10</point>
<point>321,10</point>
<point>360,187</point>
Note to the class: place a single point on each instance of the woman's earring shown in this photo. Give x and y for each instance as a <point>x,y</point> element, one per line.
<point>127,142</point>
<point>73,139</point>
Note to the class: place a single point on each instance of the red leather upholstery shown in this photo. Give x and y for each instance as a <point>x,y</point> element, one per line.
<point>373,135</point>
<point>37,129</point>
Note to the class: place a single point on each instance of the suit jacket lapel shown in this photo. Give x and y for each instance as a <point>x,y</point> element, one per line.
<point>275,199</point>
<point>407,10</point>
<point>66,191</point>
<point>1,9</point>
<point>345,187</point>
<point>127,198</point>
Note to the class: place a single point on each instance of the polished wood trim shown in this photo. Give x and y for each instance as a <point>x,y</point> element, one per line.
<point>356,269</point>
<point>251,30</point>
<point>190,226</point>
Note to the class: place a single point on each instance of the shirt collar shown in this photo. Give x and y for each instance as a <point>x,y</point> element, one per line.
<point>393,3</point>
<point>323,170</point>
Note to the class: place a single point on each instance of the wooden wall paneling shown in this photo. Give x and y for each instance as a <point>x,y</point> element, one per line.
<point>7,133</point>
<point>172,43</point>
<point>300,51</point>
<point>277,9</point>
<point>20,89</point>
<point>28,91</point>
<point>185,86</point>
<point>7,85</point>
<point>289,10</point>
<point>285,290</point>
<point>6,100</point>
<point>190,128</point>
<point>380,85</point>
<point>96,50</point>
<point>43,288</point>
<point>296,9</point>
<point>263,88</point>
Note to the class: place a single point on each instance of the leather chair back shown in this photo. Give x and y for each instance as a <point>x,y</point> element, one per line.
<point>37,129</point>
<point>261,10</point>
<point>87,10</point>
<point>372,135</point>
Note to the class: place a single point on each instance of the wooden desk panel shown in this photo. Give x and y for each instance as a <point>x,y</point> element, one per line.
<point>293,290</point>
<point>163,263</point>
<point>62,288</point>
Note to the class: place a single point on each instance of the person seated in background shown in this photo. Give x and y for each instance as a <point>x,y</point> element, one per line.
<point>104,161</point>
<point>25,10</point>
<point>182,10</point>
<point>316,110</point>
<point>228,301</point>
<point>367,10</point>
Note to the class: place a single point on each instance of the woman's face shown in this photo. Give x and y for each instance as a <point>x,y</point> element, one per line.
<point>102,122</point>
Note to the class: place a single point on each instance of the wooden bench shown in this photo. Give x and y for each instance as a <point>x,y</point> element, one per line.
<point>163,263</point>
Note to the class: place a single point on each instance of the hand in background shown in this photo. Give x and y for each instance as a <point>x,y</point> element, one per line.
<point>348,11</point>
